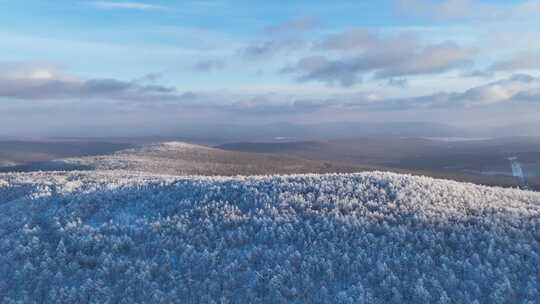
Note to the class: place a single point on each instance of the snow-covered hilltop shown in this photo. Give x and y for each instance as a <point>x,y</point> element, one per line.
<point>179,158</point>
<point>110,237</point>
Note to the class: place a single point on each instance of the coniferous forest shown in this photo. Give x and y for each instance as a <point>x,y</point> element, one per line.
<point>115,237</point>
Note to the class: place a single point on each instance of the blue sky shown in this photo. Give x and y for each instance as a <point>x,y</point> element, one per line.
<point>462,62</point>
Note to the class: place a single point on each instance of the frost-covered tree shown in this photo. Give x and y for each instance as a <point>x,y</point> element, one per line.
<point>126,237</point>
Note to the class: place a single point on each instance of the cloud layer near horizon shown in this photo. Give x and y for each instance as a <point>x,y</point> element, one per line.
<point>37,83</point>
<point>460,56</point>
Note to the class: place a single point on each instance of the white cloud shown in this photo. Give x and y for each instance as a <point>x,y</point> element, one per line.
<point>127,5</point>
<point>208,65</point>
<point>517,88</point>
<point>469,9</point>
<point>352,56</point>
<point>295,25</point>
<point>34,81</point>
<point>37,92</point>
<point>31,70</point>
<point>522,61</point>
<point>270,48</point>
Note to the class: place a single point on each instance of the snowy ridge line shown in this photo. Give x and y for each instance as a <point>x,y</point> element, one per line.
<point>172,146</point>
<point>42,184</point>
<point>109,237</point>
<point>178,158</point>
<point>39,177</point>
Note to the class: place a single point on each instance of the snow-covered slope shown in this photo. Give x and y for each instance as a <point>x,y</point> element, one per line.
<point>106,237</point>
<point>180,158</point>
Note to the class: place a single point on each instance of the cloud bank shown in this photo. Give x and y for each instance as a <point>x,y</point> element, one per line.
<point>362,54</point>
<point>24,86</point>
<point>208,65</point>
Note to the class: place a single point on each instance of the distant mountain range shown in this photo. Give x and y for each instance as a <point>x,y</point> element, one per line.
<point>525,129</point>
<point>321,131</point>
<point>226,133</point>
<point>222,133</point>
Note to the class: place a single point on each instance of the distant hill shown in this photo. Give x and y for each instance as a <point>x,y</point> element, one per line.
<point>227,133</point>
<point>24,152</point>
<point>215,134</point>
<point>366,150</point>
<point>525,129</point>
<point>483,161</point>
<point>179,158</point>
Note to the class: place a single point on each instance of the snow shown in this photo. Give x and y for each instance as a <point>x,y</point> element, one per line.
<point>127,237</point>
<point>179,158</point>
<point>5,163</point>
<point>179,144</point>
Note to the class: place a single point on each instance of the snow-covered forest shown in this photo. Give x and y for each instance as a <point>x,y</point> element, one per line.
<point>180,158</point>
<point>119,237</point>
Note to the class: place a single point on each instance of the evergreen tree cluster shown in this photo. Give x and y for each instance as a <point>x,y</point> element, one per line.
<point>99,237</point>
